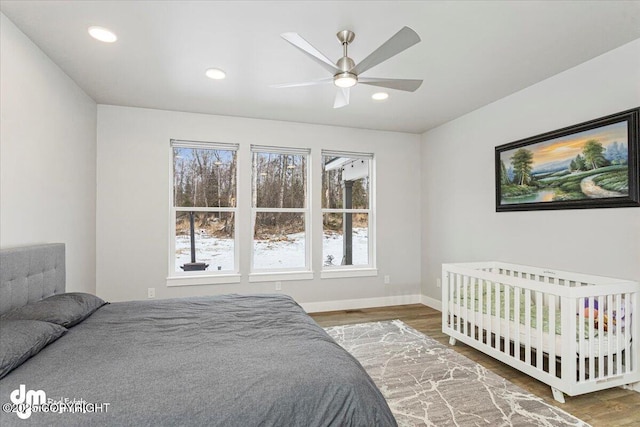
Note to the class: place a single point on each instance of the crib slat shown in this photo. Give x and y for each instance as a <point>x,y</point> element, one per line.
<point>516,319</point>
<point>581,343</point>
<point>547,301</point>
<point>507,318</point>
<point>600,350</point>
<point>569,344</point>
<point>619,337</point>
<point>463,302</point>
<point>627,332</point>
<point>591,329</point>
<point>468,307</point>
<point>552,337</point>
<point>539,328</point>
<point>460,300</point>
<point>472,318</point>
<point>610,336</point>
<point>452,299</point>
<point>480,311</point>
<point>488,313</point>
<point>527,326</point>
<point>496,316</point>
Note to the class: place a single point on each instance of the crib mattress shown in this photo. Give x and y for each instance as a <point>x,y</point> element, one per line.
<point>608,344</point>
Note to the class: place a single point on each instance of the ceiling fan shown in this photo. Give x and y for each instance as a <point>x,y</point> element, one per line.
<point>346,73</point>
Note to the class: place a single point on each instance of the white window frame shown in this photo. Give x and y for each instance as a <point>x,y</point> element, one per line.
<point>259,275</point>
<point>335,271</point>
<point>188,278</point>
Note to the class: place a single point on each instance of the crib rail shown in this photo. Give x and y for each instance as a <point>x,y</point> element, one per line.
<point>574,332</point>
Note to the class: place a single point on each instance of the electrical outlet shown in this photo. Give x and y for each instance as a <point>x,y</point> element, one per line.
<point>151,292</point>
<point>278,286</point>
<point>438,282</point>
<point>387,279</point>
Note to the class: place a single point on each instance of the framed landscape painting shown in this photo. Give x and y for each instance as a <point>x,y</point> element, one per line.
<point>589,165</point>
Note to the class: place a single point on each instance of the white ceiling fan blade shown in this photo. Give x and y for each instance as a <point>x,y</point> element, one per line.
<point>309,83</point>
<point>296,40</point>
<point>399,84</point>
<point>403,39</point>
<point>342,97</point>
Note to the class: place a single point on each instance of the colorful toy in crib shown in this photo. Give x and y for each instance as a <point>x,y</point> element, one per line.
<point>593,312</point>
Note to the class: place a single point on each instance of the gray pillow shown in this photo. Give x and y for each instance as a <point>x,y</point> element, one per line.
<point>22,339</point>
<point>63,309</point>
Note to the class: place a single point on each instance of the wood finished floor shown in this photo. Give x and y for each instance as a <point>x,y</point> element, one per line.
<point>607,408</point>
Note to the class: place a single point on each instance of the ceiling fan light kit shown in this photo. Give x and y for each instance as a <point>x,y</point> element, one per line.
<point>346,73</point>
<point>345,80</point>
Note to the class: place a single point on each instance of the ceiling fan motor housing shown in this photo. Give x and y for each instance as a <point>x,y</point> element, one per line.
<point>345,78</point>
<point>345,63</point>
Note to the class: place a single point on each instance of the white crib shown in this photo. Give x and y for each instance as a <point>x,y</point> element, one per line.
<point>575,332</point>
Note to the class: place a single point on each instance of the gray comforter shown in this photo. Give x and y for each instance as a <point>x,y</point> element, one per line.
<point>218,361</point>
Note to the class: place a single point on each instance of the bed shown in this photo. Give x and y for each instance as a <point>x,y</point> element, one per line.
<point>230,360</point>
<point>575,332</point>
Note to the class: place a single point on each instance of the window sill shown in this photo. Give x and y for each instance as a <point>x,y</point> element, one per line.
<point>350,272</point>
<point>280,275</point>
<point>199,280</point>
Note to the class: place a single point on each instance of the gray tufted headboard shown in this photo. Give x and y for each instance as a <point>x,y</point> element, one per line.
<point>30,273</point>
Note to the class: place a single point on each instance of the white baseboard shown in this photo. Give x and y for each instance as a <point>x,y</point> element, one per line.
<point>353,304</point>
<point>436,304</point>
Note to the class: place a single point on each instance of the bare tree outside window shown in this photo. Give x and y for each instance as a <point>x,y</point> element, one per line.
<point>204,207</point>
<point>279,209</point>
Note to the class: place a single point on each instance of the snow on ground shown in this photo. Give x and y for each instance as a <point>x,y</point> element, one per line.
<point>289,253</point>
<point>332,245</point>
<point>218,253</point>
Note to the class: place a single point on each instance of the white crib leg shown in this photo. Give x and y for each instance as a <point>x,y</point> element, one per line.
<point>557,395</point>
<point>632,386</point>
<point>452,341</point>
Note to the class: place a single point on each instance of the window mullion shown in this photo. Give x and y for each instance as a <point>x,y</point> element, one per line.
<point>201,209</point>
<point>282,210</point>
<point>355,211</point>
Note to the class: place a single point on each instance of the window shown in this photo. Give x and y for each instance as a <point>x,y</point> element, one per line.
<point>347,215</point>
<point>280,209</point>
<point>204,209</point>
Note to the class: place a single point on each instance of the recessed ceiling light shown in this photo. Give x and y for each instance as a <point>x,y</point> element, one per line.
<point>380,96</point>
<point>216,74</point>
<point>102,34</point>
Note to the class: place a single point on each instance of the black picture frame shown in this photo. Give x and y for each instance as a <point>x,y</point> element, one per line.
<point>578,167</point>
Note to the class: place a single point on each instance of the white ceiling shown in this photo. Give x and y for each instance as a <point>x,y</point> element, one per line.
<point>471,54</point>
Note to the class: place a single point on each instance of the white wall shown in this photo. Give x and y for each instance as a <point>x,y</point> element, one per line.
<point>459,222</point>
<point>133,203</point>
<point>47,156</point>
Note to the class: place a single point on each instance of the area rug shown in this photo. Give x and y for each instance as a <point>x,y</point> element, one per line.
<point>428,384</point>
